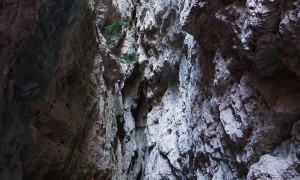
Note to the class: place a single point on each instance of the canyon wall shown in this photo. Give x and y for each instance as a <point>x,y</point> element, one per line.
<point>165,89</point>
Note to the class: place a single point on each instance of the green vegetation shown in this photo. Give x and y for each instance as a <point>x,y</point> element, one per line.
<point>114,32</point>
<point>110,44</point>
<point>114,28</point>
<point>131,57</point>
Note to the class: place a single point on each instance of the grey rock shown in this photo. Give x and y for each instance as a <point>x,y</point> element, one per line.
<point>212,92</point>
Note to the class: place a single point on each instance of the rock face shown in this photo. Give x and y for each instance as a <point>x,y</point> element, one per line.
<point>181,89</point>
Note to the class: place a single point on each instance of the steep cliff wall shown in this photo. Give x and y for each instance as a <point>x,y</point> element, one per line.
<point>177,89</point>
<point>48,52</point>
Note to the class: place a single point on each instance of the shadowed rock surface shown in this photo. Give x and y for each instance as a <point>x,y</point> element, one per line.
<point>186,89</point>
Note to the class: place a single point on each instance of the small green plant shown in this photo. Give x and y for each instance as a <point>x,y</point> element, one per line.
<point>114,28</point>
<point>131,57</point>
<point>110,44</point>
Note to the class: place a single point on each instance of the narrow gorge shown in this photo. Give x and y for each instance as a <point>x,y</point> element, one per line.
<point>149,89</point>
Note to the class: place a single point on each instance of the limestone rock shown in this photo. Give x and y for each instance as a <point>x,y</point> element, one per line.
<point>187,89</point>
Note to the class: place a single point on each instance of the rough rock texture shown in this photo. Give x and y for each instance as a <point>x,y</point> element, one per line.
<point>252,49</point>
<point>213,90</point>
<point>49,88</point>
